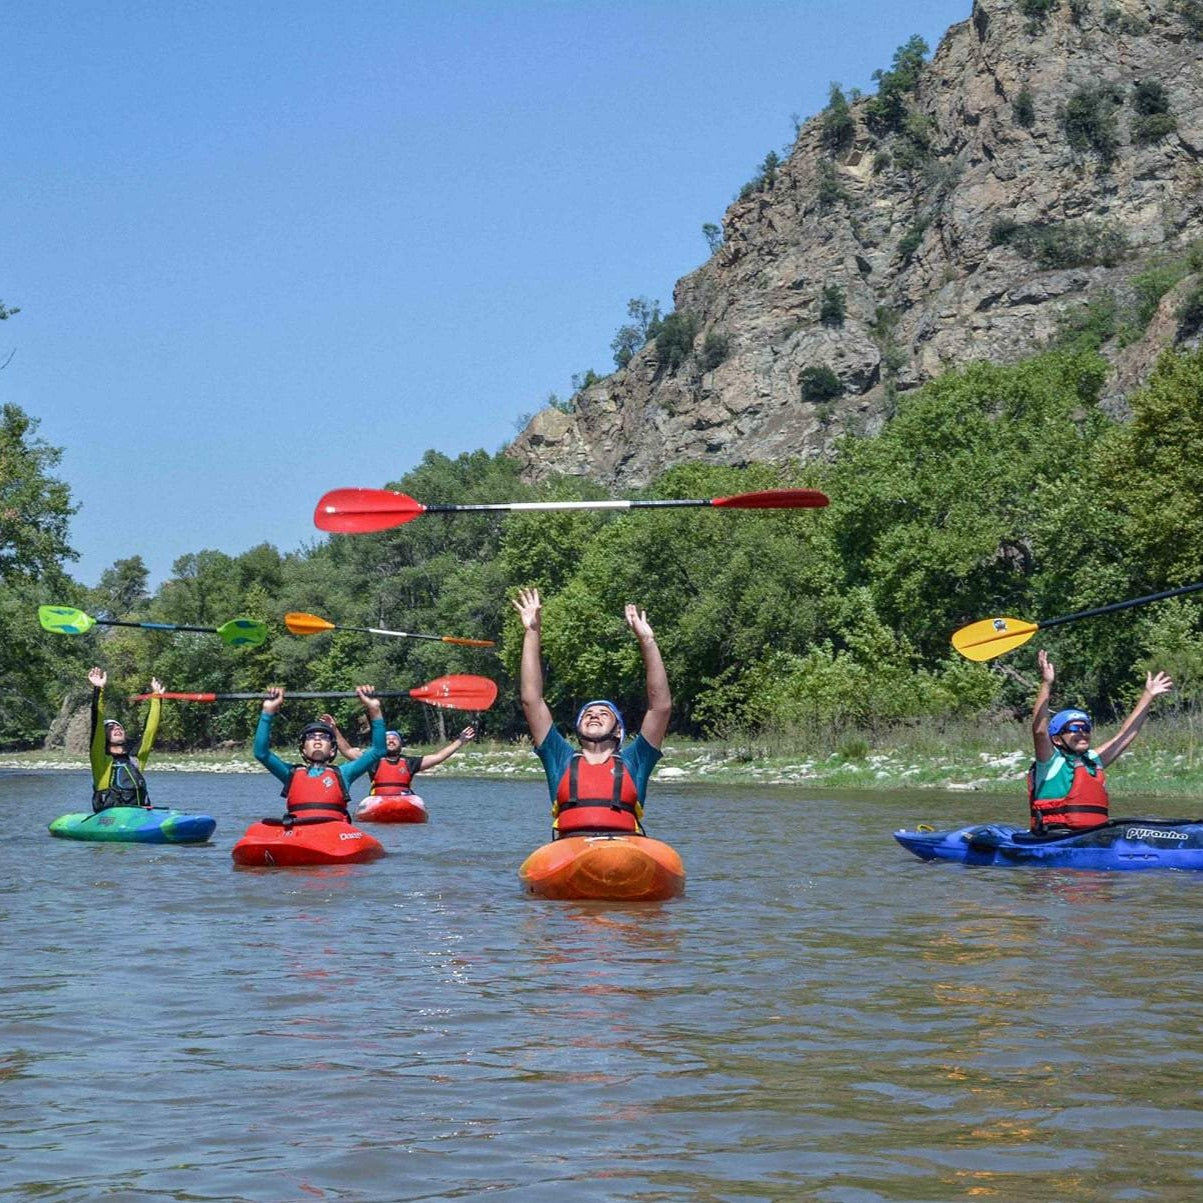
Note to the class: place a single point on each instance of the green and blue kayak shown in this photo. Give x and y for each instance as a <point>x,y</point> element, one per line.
<point>135,825</point>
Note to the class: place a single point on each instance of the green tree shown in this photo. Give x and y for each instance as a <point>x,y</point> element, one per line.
<point>35,507</point>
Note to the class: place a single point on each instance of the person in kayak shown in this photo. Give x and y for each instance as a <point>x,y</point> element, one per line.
<point>600,788</point>
<point>315,789</point>
<point>1067,787</point>
<point>393,776</point>
<point>117,778</point>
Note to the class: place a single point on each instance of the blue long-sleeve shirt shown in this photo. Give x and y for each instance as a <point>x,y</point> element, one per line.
<point>349,772</point>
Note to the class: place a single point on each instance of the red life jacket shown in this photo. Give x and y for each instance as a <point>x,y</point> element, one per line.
<point>323,796</point>
<point>597,797</point>
<point>391,778</point>
<point>1086,804</point>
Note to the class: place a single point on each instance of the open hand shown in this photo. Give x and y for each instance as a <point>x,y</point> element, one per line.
<point>98,677</point>
<point>1047,672</point>
<point>637,621</point>
<point>530,608</point>
<point>1157,685</point>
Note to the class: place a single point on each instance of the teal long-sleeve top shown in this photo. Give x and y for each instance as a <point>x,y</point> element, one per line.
<point>349,772</point>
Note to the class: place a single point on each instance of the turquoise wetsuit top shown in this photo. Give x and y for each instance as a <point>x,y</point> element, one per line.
<point>556,754</point>
<point>349,772</point>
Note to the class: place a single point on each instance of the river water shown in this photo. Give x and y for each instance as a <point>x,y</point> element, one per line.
<point>821,1016</point>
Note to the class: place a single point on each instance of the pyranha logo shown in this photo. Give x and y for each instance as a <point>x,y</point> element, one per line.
<point>999,624</point>
<point>1153,833</point>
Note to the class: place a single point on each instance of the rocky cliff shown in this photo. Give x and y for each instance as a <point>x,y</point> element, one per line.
<point>1035,175</point>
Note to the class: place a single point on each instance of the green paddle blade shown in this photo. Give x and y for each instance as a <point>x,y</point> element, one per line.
<point>243,632</point>
<point>991,637</point>
<point>64,620</point>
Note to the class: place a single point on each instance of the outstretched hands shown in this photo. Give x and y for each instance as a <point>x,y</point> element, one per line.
<point>1156,685</point>
<point>371,703</point>
<point>273,699</point>
<point>530,609</point>
<point>1047,672</point>
<point>637,621</point>
<point>97,677</point>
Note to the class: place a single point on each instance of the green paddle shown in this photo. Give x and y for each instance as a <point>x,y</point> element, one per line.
<point>64,620</point>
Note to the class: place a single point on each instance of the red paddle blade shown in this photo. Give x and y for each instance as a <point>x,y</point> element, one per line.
<point>457,692</point>
<point>775,499</point>
<point>361,511</point>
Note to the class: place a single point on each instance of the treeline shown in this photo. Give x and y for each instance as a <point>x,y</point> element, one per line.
<point>993,490</point>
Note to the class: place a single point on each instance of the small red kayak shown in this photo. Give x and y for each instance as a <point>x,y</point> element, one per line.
<point>612,868</point>
<point>275,842</point>
<point>391,808</point>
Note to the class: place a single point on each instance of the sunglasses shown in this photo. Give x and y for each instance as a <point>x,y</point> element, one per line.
<point>1076,729</point>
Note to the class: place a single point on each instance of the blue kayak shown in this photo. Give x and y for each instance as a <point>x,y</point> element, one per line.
<point>135,825</point>
<point>1116,844</point>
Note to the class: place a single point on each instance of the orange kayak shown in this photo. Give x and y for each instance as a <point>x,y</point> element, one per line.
<point>391,808</point>
<point>334,842</point>
<point>613,868</point>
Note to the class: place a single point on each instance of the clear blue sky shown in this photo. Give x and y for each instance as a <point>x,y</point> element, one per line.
<point>265,249</point>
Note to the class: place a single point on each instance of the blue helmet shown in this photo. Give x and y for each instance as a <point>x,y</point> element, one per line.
<point>1057,723</point>
<point>396,733</point>
<point>620,731</point>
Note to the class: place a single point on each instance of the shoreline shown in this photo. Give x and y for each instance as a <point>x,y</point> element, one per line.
<point>1156,770</point>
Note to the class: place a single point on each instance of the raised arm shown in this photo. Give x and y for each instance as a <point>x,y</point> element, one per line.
<point>153,713</point>
<point>365,762</point>
<point>273,699</point>
<point>346,750</point>
<point>1155,686</point>
<point>659,698</point>
<point>1040,736</point>
<point>465,736</point>
<point>530,674</point>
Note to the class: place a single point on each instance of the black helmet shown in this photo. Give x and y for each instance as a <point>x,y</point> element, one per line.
<point>318,729</point>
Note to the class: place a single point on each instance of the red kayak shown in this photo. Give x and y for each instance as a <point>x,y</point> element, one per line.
<point>276,842</point>
<point>391,808</point>
<point>613,868</point>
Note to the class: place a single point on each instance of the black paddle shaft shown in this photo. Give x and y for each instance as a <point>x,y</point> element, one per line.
<point>1124,605</point>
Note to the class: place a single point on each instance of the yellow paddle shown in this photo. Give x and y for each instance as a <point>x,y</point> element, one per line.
<point>989,638</point>
<point>310,624</point>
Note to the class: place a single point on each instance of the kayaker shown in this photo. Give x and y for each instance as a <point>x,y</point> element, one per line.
<point>601,787</point>
<point>316,789</point>
<point>1067,787</point>
<point>393,775</point>
<point>117,778</point>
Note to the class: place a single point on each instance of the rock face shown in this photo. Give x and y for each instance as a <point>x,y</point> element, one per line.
<point>1035,173</point>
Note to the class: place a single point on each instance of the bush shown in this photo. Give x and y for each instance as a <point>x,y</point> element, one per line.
<point>881,161</point>
<point>715,349</point>
<point>837,128</point>
<point>1023,109</point>
<point>909,243</point>
<point>1063,244</point>
<point>1190,312</point>
<point>1090,123</point>
<point>1088,328</point>
<point>674,339</point>
<point>1191,12</point>
<point>832,307</point>
<point>830,192</point>
<point>820,384</point>
<point>1037,12</point>
<point>1004,230</point>
<point>1153,127</point>
<point>1078,10</point>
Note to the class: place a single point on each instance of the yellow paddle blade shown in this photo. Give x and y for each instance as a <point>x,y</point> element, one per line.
<point>991,637</point>
<point>306,624</point>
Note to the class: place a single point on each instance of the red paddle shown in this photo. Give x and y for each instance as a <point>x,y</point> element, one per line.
<point>360,511</point>
<point>455,692</point>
